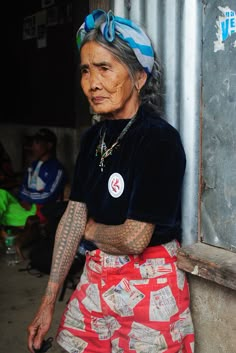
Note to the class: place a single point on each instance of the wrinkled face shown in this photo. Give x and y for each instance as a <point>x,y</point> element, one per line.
<point>106,83</point>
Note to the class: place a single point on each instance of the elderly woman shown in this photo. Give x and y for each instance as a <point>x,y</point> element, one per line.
<point>125,201</point>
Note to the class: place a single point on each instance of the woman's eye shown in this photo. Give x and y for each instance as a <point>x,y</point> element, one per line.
<point>104,68</point>
<point>83,71</point>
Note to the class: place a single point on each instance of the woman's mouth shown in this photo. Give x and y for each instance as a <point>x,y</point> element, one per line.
<point>98,99</point>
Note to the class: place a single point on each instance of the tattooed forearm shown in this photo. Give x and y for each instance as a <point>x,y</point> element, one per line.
<point>132,237</point>
<point>69,232</point>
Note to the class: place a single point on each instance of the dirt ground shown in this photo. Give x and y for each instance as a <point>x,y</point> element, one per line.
<point>20,295</point>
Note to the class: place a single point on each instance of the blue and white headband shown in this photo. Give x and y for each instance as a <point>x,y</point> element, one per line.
<point>125,29</point>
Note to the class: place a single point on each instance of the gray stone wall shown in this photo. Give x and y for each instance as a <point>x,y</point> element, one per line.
<point>214,316</point>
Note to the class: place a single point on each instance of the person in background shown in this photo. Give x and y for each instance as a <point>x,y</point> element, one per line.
<point>42,184</point>
<point>125,201</point>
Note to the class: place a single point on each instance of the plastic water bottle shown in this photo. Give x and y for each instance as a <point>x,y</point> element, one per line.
<point>11,254</point>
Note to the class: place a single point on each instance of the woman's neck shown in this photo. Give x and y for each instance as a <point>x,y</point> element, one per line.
<point>119,116</point>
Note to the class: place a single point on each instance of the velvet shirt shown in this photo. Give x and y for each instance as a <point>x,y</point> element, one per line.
<point>151,161</point>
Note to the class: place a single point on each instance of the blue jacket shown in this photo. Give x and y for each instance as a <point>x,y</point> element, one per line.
<point>43,182</point>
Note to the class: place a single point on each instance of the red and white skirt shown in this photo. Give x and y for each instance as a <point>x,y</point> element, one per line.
<point>128,304</point>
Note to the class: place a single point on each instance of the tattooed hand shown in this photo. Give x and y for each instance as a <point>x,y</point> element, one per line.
<point>40,326</point>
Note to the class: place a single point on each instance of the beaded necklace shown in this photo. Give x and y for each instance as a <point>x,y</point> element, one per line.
<point>102,147</point>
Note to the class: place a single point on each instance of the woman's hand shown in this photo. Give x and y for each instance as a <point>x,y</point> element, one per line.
<point>40,326</point>
<point>90,230</point>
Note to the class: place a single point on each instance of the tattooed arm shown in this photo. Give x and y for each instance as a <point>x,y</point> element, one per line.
<point>131,237</point>
<point>69,232</point>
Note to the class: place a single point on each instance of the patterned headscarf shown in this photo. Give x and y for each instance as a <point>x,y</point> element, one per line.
<point>125,29</point>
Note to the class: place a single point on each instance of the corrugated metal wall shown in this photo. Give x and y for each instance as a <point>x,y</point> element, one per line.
<point>175,27</point>
<point>218,199</point>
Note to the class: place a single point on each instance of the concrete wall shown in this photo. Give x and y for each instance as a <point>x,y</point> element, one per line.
<point>214,316</point>
<point>12,136</point>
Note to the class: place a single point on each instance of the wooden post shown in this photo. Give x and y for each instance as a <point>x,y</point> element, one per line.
<point>99,4</point>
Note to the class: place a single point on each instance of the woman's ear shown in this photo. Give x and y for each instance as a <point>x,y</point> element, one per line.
<point>141,79</point>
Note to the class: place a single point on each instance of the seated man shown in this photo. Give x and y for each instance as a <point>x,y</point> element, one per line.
<point>43,183</point>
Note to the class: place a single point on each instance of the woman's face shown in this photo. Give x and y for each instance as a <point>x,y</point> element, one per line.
<point>106,83</point>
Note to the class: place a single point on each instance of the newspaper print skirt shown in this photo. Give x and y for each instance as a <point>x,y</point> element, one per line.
<point>130,304</point>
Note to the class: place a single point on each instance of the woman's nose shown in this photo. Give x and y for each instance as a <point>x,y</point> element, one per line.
<point>94,81</point>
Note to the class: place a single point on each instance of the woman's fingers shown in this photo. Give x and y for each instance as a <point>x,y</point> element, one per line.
<point>39,328</point>
<point>90,230</point>
<point>32,333</point>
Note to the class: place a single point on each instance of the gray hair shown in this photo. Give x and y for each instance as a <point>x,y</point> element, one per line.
<point>151,91</point>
